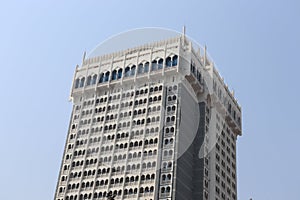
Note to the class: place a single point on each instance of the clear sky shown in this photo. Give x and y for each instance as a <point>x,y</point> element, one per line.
<point>255,45</point>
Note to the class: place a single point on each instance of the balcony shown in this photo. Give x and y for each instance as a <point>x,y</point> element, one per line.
<point>130,196</point>
<point>164,195</point>
<point>233,124</point>
<point>168,157</point>
<point>128,80</point>
<point>147,194</point>
<point>196,85</point>
<point>102,85</point>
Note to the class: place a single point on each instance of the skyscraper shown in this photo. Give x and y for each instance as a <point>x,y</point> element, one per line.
<point>152,122</point>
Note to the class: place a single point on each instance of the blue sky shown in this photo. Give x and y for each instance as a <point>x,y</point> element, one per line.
<point>255,45</point>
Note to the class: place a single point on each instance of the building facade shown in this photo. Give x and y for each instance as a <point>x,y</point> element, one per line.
<point>152,122</point>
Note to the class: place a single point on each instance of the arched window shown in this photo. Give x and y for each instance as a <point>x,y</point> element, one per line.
<point>130,191</point>
<point>153,164</point>
<point>146,189</point>
<point>94,79</point>
<point>144,165</point>
<point>148,165</point>
<point>173,118</point>
<point>114,75</point>
<point>132,73</point>
<point>154,65</point>
<point>77,83</point>
<point>140,68</point>
<point>168,189</point>
<point>151,189</point>
<point>101,80</point>
<point>174,60</point>
<point>146,67</point>
<point>141,190</point>
<point>168,62</point>
<point>169,176</point>
<point>106,78</point>
<point>167,130</point>
<point>88,81</point>
<point>172,129</point>
<point>119,73</point>
<point>160,63</point>
<point>82,80</point>
<point>127,71</point>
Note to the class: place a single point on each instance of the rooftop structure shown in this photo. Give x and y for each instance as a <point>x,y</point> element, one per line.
<point>152,122</point>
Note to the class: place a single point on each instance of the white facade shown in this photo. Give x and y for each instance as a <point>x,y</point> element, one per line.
<point>153,122</point>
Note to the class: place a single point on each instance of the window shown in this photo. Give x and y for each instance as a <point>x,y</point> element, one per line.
<point>101,79</point>
<point>82,80</point>
<point>146,67</point>
<point>168,62</point>
<point>127,71</point>
<point>160,63</point>
<point>77,83</point>
<point>140,68</point>
<point>114,75</point>
<point>154,65</point>
<point>132,71</point>
<point>106,77</point>
<point>174,60</point>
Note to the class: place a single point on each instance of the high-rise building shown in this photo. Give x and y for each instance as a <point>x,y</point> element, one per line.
<point>152,122</point>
